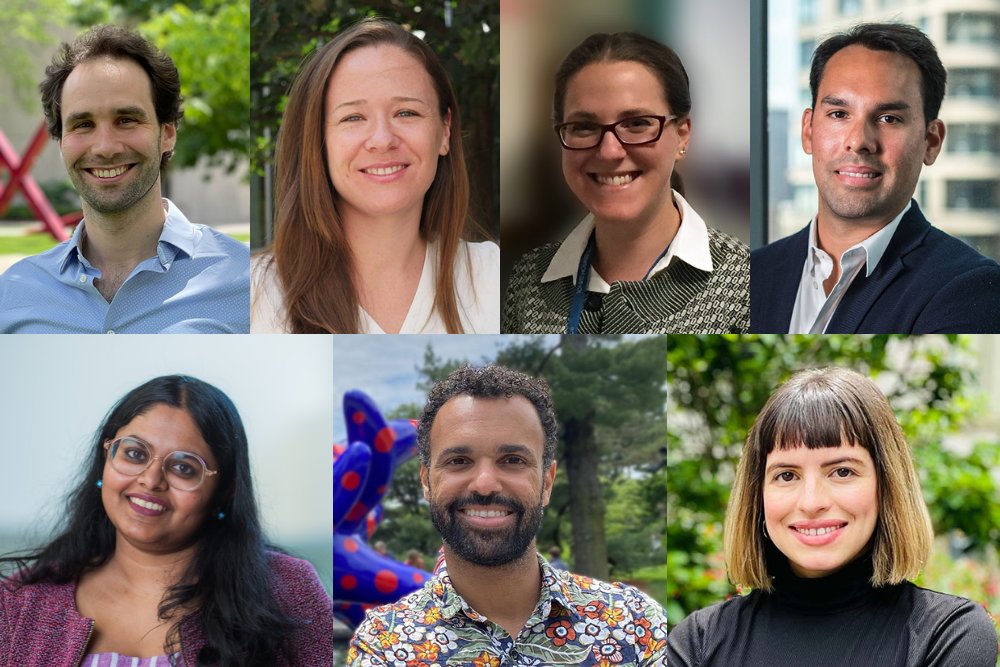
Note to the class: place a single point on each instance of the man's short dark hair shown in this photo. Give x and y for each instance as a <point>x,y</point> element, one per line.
<point>119,43</point>
<point>490,381</point>
<point>900,38</point>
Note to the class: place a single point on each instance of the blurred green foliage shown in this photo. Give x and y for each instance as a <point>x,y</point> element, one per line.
<point>716,386</point>
<point>27,27</point>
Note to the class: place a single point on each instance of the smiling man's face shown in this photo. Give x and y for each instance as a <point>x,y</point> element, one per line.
<point>485,482</point>
<point>111,141</point>
<point>868,136</point>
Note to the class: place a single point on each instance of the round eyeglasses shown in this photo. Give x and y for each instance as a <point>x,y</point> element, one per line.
<point>183,471</point>
<point>579,135</point>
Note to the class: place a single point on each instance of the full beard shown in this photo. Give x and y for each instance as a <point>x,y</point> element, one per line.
<point>487,548</point>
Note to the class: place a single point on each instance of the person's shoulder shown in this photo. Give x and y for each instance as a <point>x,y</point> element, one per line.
<point>294,580</point>
<point>954,255</point>
<point>14,595</point>
<point>533,263</point>
<point>688,640</point>
<point>728,244</point>
<point>36,267</point>
<point>953,626</point>
<point>483,253</point>
<point>212,240</point>
<point>781,246</point>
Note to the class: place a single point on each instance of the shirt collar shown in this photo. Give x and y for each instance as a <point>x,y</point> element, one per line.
<point>690,244</point>
<point>178,234</point>
<point>554,589</point>
<point>874,246</point>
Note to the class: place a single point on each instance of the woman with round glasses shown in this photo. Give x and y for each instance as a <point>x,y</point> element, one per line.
<point>161,559</point>
<point>643,260</point>
<point>827,524</point>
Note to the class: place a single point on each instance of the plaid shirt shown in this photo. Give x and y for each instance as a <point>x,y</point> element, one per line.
<point>577,621</point>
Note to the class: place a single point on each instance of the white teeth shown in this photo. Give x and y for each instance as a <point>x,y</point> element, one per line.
<point>148,505</point>
<point>624,179</point>
<point>383,171</point>
<point>486,514</point>
<point>109,173</point>
<point>852,174</point>
<point>817,531</point>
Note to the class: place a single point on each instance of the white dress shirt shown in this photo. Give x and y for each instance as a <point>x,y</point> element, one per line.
<point>814,308</point>
<point>690,244</point>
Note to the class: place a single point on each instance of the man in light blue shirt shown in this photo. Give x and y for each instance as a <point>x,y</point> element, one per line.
<point>135,264</point>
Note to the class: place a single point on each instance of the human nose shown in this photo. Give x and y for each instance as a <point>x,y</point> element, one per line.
<point>485,481</point>
<point>106,143</point>
<point>611,147</point>
<point>814,496</point>
<point>382,136</point>
<point>861,137</point>
<point>152,477</point>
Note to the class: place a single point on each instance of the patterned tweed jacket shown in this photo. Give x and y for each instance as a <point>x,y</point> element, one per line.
<point>678,299</point>
<point>41,627</point>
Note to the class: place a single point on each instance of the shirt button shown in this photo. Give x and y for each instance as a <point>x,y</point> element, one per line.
<point>83,279</point>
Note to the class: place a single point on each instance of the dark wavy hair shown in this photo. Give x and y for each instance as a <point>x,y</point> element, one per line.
<point>906,40</point>
<point>240,618</point>
<point>490,381</point>
<point>120,43</point>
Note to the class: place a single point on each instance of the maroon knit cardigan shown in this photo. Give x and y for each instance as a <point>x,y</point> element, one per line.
<point>41,627</point>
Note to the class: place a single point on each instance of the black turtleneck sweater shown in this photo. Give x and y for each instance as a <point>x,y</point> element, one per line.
<point>835,621</point>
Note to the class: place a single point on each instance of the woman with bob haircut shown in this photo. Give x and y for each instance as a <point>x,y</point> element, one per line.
<point>161,559</point>
<point>372,199</point>
<point>827,524</point>
<point>643,260</point>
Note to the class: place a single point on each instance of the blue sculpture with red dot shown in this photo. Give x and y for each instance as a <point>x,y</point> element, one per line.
<point>362,473</point>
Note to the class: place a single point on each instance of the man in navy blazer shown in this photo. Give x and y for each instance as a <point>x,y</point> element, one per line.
<point>869,262</point>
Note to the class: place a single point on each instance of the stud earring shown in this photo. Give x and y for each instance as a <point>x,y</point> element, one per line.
<point>221,516</point>
<point>100,483</point>
<point>684,151</point>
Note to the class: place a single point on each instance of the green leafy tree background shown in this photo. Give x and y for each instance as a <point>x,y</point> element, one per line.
<point>717,384</point>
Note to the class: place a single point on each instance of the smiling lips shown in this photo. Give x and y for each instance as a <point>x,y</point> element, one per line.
<point>616,179</point>
<point>146,506</point>
<point>387,170</point>
<point>859,172</point>
<point>817,533</point>
<point>110,172</point>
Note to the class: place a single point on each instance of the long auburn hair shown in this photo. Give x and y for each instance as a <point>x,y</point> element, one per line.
<point>228,579</point>
<point>311,254</point>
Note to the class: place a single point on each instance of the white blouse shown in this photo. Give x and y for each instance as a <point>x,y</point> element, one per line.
<point>477,287</point>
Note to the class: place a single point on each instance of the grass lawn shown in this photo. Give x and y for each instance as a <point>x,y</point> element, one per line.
<point>32,244</point>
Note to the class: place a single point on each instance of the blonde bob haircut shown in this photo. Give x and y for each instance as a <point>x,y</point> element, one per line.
<point>827,407</point>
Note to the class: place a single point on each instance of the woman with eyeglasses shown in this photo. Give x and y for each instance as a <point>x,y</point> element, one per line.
<point>642,261</point>
<point>161,559</point>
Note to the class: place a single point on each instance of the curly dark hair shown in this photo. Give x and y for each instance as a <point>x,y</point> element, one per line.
<point>229,583</point>
<point>120,43</point>
<point>491,381</point>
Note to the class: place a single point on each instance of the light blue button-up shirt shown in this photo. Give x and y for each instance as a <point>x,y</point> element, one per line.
<point>198,282</point>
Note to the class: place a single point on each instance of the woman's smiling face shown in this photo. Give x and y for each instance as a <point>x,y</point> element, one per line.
<point>820,505</point>
<point>144,509</point>
<point>618,183</point>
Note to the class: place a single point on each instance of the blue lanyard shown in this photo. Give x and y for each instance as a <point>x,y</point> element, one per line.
<point>580,291</point>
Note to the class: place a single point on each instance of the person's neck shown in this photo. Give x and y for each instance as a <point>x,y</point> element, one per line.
<point>383,245</point>
<point>507,595</point>
<point>149,573</point>
<point>626,252</point>
<point>117,242</point>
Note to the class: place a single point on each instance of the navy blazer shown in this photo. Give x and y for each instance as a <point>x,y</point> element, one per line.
<point>926,282</point>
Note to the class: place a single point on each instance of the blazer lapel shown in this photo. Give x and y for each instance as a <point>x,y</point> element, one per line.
<point>778,286</point>
<point>865,291</point>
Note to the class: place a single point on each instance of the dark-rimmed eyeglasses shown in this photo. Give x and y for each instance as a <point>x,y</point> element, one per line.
<point>184,471</point>
<point>579,135</point>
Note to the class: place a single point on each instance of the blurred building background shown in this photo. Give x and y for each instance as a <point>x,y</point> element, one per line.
<point>960,192</point>
<point>711,37</point>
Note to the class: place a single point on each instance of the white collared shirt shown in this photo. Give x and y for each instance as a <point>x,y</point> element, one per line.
<point>689,244</point>
<point>814,308</point>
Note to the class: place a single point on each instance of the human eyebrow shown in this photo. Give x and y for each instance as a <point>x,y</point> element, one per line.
<point>843,459</point>
<point>521,450</point>
<point>459,450</point>
<point>780,464</point>
<point>577,116</point>
<point>834,101</point>
<point>77,116</point>
<point>134,111</point>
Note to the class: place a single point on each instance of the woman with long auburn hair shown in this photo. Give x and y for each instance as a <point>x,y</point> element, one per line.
<point>372,199</point>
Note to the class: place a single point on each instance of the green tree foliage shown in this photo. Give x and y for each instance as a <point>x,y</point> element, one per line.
<point>27,27</point>
<point>717,384</point>
<point>465,35</point>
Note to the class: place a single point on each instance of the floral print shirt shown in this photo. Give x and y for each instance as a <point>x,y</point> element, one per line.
<point>577,621</point>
